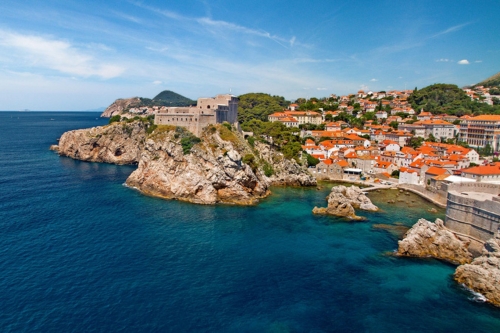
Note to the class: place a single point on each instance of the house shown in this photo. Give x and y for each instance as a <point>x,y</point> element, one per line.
<point>433,172</point>
<point>381,114</point>
<point>408,176</point>
<point>328,169</point>
<point>483,173</point>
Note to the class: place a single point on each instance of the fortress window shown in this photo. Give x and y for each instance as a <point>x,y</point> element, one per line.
<point>208,106</point>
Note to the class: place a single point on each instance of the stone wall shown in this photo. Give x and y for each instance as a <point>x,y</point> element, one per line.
<point>479,220</point>
<point>471,187</point>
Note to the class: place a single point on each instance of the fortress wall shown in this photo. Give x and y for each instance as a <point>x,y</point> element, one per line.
<point>472,187</point>
<point>477,219</point>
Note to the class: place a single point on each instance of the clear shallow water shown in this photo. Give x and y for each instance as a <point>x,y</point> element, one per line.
<point>82,253</point>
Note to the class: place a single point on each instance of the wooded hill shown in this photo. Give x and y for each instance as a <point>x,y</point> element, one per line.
<point>167,98</point>
<point>450,99</point>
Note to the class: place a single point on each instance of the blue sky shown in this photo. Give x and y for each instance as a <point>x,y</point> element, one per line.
<point>80,55</point>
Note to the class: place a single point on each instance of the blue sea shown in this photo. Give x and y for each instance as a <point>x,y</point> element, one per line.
<point>80,252</point>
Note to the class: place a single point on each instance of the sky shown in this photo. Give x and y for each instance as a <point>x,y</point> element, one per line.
<point>82,55</point>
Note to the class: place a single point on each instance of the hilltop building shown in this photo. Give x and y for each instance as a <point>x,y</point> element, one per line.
<point>208,111</point>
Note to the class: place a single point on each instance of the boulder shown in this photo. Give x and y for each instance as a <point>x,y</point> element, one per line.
<point>482,275</point>
<point>427,239</point>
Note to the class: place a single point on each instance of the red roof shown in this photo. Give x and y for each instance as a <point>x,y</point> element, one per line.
<point>435,171</point>
<point>492,169</point>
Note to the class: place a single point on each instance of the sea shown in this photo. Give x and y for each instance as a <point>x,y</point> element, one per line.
<point>81,252</point>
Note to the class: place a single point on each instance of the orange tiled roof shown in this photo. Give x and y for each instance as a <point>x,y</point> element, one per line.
<point>492,169</point>
<point>487,117</point>
<point>435,171</point>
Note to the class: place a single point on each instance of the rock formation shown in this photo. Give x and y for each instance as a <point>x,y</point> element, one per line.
<point>118,143</point>
<point>119,106</point>
<point>285,172</point>
<point>483,274</point>
<point>427,239</point>
<point>221,167</point>
<point>342,201</point>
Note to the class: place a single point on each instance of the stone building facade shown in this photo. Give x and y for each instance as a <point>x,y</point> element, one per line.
<point>208,111</point>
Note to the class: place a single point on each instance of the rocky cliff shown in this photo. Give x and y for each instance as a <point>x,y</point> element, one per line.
<point>427,239</point>
<point>483,274</point>
<point>285,172</point>
<point>219,167</point>
<point>342,200</point>
<point>119,106</point>
<point>117,143</point>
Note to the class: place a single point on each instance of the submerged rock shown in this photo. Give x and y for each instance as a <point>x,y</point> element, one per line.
<point>482,275</point>
<point>427,239</point>
<point>342,200</point>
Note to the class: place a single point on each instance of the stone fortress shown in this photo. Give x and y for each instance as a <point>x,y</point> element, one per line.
<point>473,211</point>
<point>208,111</point>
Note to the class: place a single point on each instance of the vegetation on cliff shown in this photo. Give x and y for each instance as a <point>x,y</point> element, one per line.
<point>450,99</point>
<point>491,82</point>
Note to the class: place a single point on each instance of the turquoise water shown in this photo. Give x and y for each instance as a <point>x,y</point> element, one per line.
<point>81,252</point>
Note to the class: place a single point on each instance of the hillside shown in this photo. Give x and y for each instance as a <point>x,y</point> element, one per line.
<point>450,99</point>
<point>173,99</point>
<point>259,106</point>
<point>492,81</point>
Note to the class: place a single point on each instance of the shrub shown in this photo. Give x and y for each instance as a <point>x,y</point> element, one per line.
<point>311,160</point>
<point>251,141</point>
<point>227,125</point>
<point>249,159</point>
<point>268,170</point>
<point>188,142</point>
<point>114,119</point>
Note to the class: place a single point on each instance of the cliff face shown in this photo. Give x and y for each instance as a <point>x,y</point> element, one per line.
<point>118,143</point>
<point>285,172</point>
<point>427,239</point>
<point>342,201</point>
<point>218,168</point>
<point>119,105</point>
<point>213,172</point>
<point>483,274</point>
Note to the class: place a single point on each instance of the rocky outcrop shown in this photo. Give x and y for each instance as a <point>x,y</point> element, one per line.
<point>213,171</point>
<point>483,274</point>
<point>117,143</point>
<point>285,172</point>
<point>119,106</point>
<point>219,168</point>
<point>342,200</point>
<point>427,239</point>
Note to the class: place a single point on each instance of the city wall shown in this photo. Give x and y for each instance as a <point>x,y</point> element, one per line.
<point>478,220</point>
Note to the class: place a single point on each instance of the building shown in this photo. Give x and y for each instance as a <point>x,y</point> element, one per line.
<point>208,111</point>
<point>481,131</point>
<point>302,117</point>
<point>484,173</point>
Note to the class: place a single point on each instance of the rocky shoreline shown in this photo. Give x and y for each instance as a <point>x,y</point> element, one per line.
<point>218,167</point>
<point>480,274</point>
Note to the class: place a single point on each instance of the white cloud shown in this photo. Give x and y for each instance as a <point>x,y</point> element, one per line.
<point>157,82</point>
<point>442,60</point>
<point>451,29</point>
<point>59,55</point>
<point>363,87</point>
<point>321,88</point>
<point>478,61</point>
<point>292,41</point>
<point>463,62</point>
<point>373,80</point>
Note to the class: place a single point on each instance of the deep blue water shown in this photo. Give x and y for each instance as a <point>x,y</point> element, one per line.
<point>79,252</point>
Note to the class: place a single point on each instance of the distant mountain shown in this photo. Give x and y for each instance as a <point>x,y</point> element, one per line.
<point>171,98</point>
<point>101,109</point>
<point>493,81</point>
<point>165,98</point>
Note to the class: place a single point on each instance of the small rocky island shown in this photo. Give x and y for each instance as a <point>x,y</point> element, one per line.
<point>342,200</point>
<point>220,166</point>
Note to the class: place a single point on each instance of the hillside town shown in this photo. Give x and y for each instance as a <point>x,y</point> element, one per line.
<point>400,144</point>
